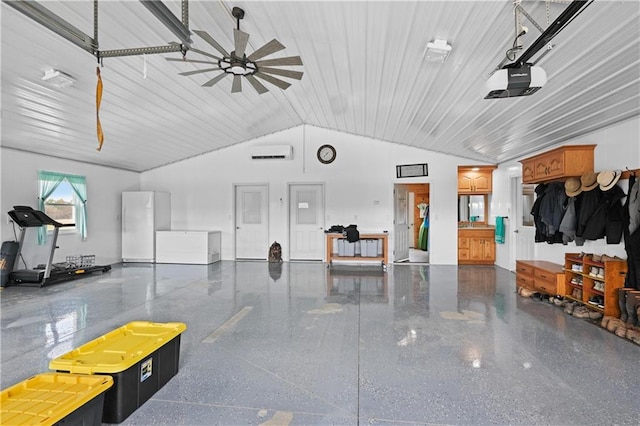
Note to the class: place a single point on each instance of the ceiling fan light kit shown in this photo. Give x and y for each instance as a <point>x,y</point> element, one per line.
<point>238,64</point>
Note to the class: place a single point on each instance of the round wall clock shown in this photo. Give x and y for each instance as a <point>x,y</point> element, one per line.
<point>326,154</point>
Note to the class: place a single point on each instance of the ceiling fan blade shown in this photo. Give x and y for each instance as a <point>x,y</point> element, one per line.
<point>285,73</point>
<point>205,54</point>
<point>256,84</point>
<point>199,51</point>
<point>240,39</point>
<point>215,80</point>
<point>272,47</point>
<point>199,71</point>
<point>289,60</point>
<point>190,60</point>
<point>275,81</point>
<point>206,37</point>
<point>236,86</point>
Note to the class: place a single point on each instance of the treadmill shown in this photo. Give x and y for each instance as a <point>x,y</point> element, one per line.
<point>26,217</point>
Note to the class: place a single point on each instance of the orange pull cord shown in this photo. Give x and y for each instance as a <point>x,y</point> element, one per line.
<point>98,100</point>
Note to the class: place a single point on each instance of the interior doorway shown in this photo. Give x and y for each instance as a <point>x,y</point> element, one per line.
<point>414,246</point>
<point>251,221</point>
<point>306,221</point>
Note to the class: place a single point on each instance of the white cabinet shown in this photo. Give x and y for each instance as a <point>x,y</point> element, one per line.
<point>193,247</point>
<point>143,213</point>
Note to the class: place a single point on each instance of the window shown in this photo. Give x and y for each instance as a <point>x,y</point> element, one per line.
<point>61,205</point>
<point>63,197</point>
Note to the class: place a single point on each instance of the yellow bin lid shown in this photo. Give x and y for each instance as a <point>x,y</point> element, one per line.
<point>47,398</point>
<point>119,349</point>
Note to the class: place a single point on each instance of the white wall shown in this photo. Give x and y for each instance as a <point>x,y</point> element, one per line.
<point>19,186</point>
<point>617,147</point>
<point>359,186</point>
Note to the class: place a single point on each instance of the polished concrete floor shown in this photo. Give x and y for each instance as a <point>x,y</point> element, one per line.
<point>303,344</point>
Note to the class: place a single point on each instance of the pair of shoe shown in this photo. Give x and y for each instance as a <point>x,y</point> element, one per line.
<point>629,301</point>
<point>598,285</point>
<point>559,300</point>
<point>580,312</point>
<point>596,301</point>
<point>525,292</point>
<point>576,293</point>
<point>569,307</point>
<point>617,326</point>
<point>576,267</point>
<point>596,272</point>
<point>595,315</point>
<point>605,258</point>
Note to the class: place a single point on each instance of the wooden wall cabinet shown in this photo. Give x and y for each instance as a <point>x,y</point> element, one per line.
<point>540,276</point>
<point>476,246</point>
<point>580,275</point>
<point>472,181</point>
<point>559,163</point>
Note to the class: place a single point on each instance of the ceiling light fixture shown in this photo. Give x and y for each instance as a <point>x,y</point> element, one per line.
<point>437,51</point>
<point>58,79</point>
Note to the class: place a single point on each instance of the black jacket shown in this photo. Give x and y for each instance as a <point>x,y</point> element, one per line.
<point>541,227</point>
<point>592,215</point>
<point>614,214</point>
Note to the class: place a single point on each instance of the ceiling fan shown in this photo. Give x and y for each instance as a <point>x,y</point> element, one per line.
<point>239,65</point>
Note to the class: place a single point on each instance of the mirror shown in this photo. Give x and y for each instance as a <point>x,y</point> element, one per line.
<point>528,198</point>
<point>471,208</point>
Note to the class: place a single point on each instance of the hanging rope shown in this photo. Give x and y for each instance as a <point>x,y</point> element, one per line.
<point>98,100</point>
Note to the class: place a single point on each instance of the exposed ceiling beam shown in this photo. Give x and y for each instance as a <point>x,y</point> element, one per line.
<point>60,26</point>
<point>50,20</point>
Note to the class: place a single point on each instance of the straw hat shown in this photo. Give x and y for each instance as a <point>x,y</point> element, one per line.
<point>608,179</point>
<point>589,181</point>
<point>572,187</point>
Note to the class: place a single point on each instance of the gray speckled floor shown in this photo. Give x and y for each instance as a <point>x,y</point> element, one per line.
<point>349,345</point>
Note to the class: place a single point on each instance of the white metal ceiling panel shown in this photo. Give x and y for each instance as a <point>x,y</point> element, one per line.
<point>365,73</point>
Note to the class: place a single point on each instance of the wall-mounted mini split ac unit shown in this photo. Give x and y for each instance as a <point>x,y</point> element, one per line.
<point>272,152</point>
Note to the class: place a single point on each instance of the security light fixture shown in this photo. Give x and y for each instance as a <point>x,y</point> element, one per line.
<point>437,50</point>
<point>58,79</point>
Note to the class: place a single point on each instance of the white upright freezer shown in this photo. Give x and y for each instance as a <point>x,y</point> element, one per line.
<point>143,213</point>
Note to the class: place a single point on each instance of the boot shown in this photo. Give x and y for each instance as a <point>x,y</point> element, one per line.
<point>633,299</point>
<point>622,302</point>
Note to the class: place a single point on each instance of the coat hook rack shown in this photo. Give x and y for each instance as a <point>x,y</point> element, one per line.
<point>629,172</point>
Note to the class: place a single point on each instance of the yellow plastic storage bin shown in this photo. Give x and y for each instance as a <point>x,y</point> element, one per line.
<point>55,398</point>
<point>140,356</point>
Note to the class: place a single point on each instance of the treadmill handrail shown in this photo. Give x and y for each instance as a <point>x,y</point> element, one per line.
<point>29,218</point>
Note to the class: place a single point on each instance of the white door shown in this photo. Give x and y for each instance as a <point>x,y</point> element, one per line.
<point>252,221</point>
<point>522,237</point>
<point>401,226</point>
<point>306,221</point>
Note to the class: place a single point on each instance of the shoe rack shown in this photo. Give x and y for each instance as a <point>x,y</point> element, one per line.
<point>594,281</point>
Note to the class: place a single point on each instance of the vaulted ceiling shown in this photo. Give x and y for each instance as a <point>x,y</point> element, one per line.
<point>365,73</point>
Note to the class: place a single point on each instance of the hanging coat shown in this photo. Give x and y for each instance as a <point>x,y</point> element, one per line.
<point>552,210</point>
<point>541,227</point>
<point>614,214</point>
<point>569,221</point>
<point>591,216</point>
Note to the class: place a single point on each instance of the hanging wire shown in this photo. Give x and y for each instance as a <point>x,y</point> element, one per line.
<point>519,32</point>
